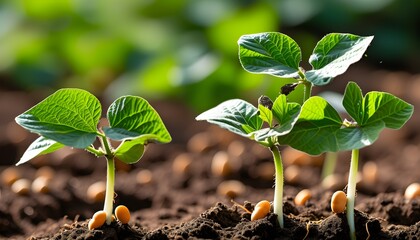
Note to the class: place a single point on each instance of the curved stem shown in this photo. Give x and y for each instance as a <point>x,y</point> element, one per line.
<point>307,90</point>
<point>351,191</point>
<point>109,193</point>
<point>95,151</point>
<point>278,187</point>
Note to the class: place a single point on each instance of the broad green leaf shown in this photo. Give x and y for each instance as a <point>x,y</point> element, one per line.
<point>270,53</point>
<point>130,151</point>
<point>319,127</point>
<point>353,102</point>
<point>68,116</point>
<point>236,115</point>
<point>376,107</point>
<point>286,115</point>
<point>334,54</point>
<point>316,129</point>
<point>40,146</point>
<point>265,114</point>
<point>132,117</point>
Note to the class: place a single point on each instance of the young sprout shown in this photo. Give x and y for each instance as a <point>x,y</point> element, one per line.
<point>412,191</point>
<point>97,220</point>
<point>315,127</point>
<point>132,121</point>
<point>122,214</point>
<point>338,202</point>
<point>302,197</point>
<point>261,210</point>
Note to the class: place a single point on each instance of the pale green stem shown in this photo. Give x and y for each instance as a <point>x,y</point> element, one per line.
<point>96,152</point>
<point>278,187</point>
<point>307,90</point>
<point>351,192</point>
<point>329,164</point>
<point>109,194</point>
<point>110,180</point>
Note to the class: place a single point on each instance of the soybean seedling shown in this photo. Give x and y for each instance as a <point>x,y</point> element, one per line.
<point>321,129</point>
<point>70,117</point>
<point>279,55</point>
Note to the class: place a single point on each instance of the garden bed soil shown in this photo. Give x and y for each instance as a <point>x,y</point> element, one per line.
<point>173,193</point>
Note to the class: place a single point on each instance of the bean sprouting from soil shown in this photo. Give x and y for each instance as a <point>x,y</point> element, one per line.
<point>71,117</point>
<point>314,126</point>
<point>264,53</point>
<point>98,219</point>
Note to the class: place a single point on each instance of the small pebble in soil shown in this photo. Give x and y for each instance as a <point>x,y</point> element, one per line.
<point>200,142</point>
<point>291,174</point>
<point>265,171</point>
<point>236,148</point>
<point>412,191</point>
<point>46,172</point>
<point>10,175</point>
<point>302,197</point>
<point>338,202</point>
<point>21,186</point>
<point>40,185</point>
<point>182,164</point>
<point>231,188</point>
<point>333,182</point>
<point>370,173</point>
<point>144,176</point>
<point>220,165</point>
<point>96,191</point>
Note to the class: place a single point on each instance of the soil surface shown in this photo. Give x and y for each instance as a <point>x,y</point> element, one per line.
<point>177,192</point>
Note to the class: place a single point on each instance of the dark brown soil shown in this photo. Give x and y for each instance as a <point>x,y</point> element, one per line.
<point>183,199</point>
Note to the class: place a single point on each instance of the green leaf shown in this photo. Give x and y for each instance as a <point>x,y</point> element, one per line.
<point>236,115</point>
<point>132,117</point>
<point>40,146</point>
<point>334,54</point>
<point>130,151</point>
<point>320,129</point>
<point>270,53</point>
<point>68,116</point>
<point>285,113</point>
<point>265,114</point>
<point>376,107</point>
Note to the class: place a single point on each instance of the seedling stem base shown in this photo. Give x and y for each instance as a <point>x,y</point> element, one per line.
<point>351,191</point>
<point>278,187</point>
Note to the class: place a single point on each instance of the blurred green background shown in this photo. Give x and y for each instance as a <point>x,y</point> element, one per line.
<point>183,50</point>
